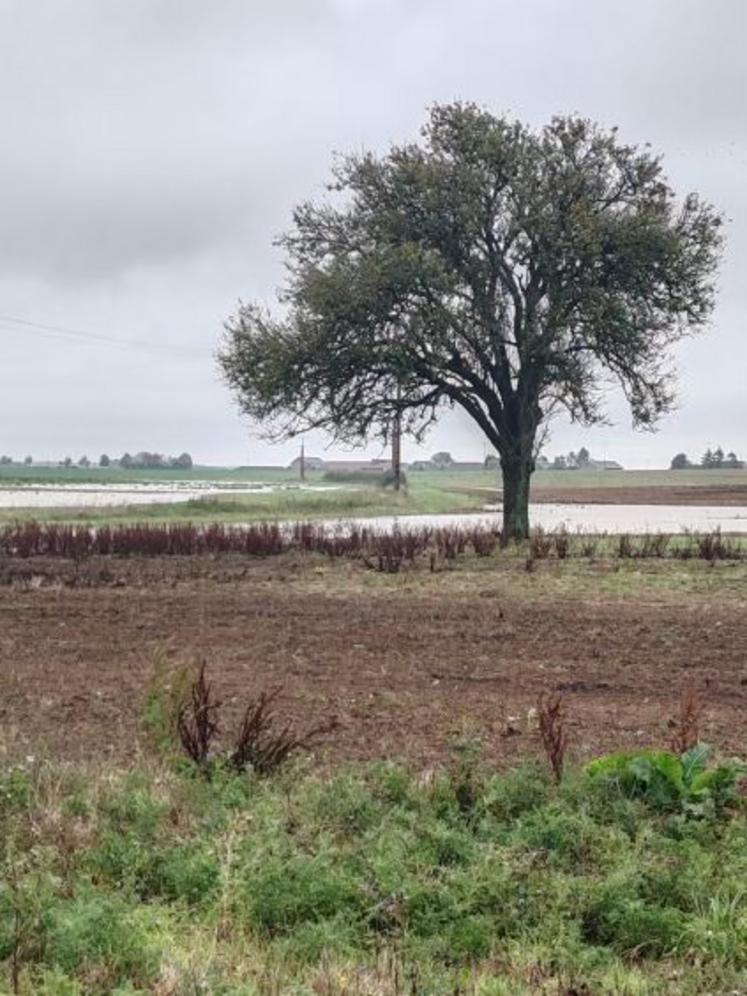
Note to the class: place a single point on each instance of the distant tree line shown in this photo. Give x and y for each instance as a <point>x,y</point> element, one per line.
<point>583,460</point>
<point>150,461</point>
<point>140,461</point>
<point>711,460</point>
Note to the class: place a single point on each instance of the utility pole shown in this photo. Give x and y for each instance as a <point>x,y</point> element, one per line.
<point>397,445</point>
<point>302,464</point>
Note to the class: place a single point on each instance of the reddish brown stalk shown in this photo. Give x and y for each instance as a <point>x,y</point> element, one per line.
<point>551,719</point>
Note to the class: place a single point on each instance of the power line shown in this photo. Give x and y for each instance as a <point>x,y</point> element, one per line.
<point>98,338</point>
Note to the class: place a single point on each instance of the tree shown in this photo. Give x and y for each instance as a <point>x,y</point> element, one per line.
<point>84,462</point>
<point>183,461</point>
<point>125,461</point>
<point>559,463</point>
<point>28,460</point>
<point>583,457</point>
<point>707,460</point>
<point>442,460</point>
<point>505,270</point>
<point>104,460</point>
<point>67,462</point>
<point>148,461</point>
<point>679,462</point>
<point>5,460</point>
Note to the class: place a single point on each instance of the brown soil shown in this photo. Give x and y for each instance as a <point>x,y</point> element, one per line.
<point>706,494</point>
<point>403,661</point>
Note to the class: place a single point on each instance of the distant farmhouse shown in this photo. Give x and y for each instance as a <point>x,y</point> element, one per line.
<point>309,462</point>
<point>439,461</point>
<point>342,466</point>
<point>445,462</point>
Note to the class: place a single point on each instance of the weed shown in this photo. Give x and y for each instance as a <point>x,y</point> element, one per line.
<point>262,746</point>
<point>167,693</point>
<point>562,543</point>
<point>669,782</point>
<point>625,547</point>
<point>540,544</point>
<point>196,722</point>
<point>624,879</point>
<point>551,721</point>
<point>686,724</point>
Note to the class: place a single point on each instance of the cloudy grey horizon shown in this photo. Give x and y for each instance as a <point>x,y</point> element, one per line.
<point>154,150</point>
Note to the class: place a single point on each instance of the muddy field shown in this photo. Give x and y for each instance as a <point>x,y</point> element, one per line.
<point>404,661</point>
<point>701,494</point>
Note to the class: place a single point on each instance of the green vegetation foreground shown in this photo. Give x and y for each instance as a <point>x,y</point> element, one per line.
<point>626,879</point>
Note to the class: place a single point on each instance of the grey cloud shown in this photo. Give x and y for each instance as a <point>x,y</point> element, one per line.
<point>152,150</point>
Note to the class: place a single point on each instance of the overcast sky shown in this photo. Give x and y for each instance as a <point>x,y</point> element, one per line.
<point>152,150</point>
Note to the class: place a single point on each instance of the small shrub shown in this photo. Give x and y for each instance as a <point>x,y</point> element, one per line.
<point>562,543</point>
<point>102,934</point>
<point>589,547</point>
<point>540,544</point>
<point>632,926</point>
<point>262,746</point>
<point>196,722</point>
<point>464,772</point>
<point>625,547</point>
<point>484,541</point>
<point>655,545</point>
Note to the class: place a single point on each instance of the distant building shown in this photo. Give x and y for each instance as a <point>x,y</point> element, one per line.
<point>443,461</point>
<point>310,463</point>
<point>380,465</point>
<point>355,466</point>
<point>603,465</point>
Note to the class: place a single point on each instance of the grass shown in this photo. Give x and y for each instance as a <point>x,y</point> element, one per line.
<point>370,881</point>
<point>423,497</point>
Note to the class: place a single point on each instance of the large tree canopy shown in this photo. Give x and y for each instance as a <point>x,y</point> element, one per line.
<point>513,272</point>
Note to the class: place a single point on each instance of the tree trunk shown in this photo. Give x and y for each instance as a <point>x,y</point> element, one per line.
<point>516,477</point>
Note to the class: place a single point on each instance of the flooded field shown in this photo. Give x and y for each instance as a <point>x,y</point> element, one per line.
<point>593,518</point>
<point>574,515</point>
<point>148,493</point>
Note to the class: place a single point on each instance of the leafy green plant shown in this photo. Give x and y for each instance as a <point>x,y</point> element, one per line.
<point>667,781</point>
